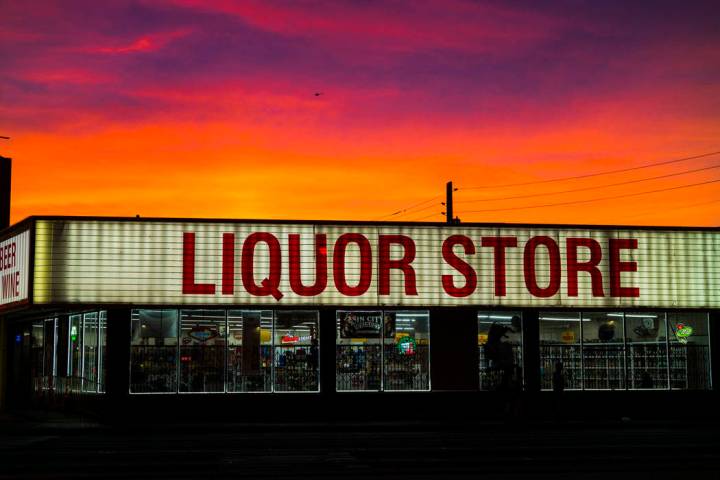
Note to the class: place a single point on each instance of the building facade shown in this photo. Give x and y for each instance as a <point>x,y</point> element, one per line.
<point>285,319</point>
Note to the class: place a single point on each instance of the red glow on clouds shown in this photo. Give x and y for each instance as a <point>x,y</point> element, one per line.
<point>189,108</point>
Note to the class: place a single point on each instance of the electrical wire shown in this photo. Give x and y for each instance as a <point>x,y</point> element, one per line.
<point>596,187</point>
<point>411,207</point>
<point>682,207</point>
<point>576,202</point>
<point>423,218</point>
<point>607,172</point>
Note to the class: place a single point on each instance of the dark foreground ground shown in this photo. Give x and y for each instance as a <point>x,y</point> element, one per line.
<point>57,447</point>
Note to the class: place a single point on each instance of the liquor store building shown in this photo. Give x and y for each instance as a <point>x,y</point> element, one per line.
<point>136,317</point>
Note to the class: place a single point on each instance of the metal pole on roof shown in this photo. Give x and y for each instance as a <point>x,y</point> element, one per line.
<point>5,183</point>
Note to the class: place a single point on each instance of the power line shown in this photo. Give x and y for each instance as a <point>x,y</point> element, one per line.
<point>406,209</point>
<point>423,218</point>
<point>583,189</point>
<point>682,207</point>
<point>608,172</point>
<point>575,202</point>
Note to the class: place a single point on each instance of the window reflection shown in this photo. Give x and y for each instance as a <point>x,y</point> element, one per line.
<point>202,350</point>
<point>297,351</point>
<point>250,350</point>
<point>500,349</point>
<point>153,351</point>
<point>603,351</point>
<point>689,351</point>
<point>382,350</point>
<point>560,349</point>
<point>647,350</point>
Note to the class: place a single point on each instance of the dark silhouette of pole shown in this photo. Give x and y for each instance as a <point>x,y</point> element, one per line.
<point>449,202</point>
<point>5,182</point>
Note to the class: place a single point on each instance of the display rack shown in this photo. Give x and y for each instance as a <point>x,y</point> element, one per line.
<point>296,369</point>
<point>244,379</point>
<point>601,366</point>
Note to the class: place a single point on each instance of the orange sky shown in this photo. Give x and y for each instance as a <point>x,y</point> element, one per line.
<point>207,109</point>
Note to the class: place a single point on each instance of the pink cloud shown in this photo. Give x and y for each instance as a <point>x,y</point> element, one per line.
<point>147,43</point>
<point>454,24</point>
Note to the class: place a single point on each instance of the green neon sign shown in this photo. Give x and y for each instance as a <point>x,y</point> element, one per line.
<point>683,332</point>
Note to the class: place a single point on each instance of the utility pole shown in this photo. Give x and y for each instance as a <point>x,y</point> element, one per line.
<point>451,219</point>
<point>5,183</point>
<point>449,202</point>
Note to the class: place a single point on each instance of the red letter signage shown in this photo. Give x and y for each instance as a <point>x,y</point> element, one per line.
<point>365,264</point>
<point>591,266</point>
<point>268,286</point>
<point>529,267</point>
<point>188,285</point>
<point>320,266</point>
<point>460,265</point>
<point>499,244</point>
<point>617,267</point>
<point>402,264</point>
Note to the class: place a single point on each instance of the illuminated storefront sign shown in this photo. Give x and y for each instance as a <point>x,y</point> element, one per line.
<point>683,332</point>
<point>14,270</point>
<point>168,262</point>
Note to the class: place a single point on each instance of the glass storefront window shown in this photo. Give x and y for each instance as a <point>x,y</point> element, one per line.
<point>689,351</point>
<point>50,343</point>
<point>406,358</point>
<point>382,350</point>
<point>90,350</point>
<point>37,361</point>
<point>202,350</point>
<point>357,350</point>
<point>297,351</point>
<point>603,350</point>
<point>500,349</point>
<point>102,344</point>
<point>646,338</point>
<point>250,350</point>
<point>560,350</point>
<point>153,351</point>
<point>74,369</point>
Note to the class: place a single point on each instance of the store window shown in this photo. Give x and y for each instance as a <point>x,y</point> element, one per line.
<point>202,350</point>
<point>153,351</point>
<point>689,351</point>
<point>49,355</point>
<point>250,350</point>
<point>603,350</point>
<point>358,343</point>
<point>406,359</point>
<point>296,351</point>
<point>90,352</point>
<point>102,346</point>
<point>37,363</point>
<point>560,350</point>
<point>74,366</point>
<point>382,350</point>
<point>647,352</point>
<point>500,350</point>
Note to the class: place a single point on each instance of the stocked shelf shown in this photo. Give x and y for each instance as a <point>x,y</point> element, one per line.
<point>296,369</point>
<point>358,367</point>
<point>602,366</point>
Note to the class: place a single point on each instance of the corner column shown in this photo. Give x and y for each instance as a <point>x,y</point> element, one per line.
<point>117,386</point>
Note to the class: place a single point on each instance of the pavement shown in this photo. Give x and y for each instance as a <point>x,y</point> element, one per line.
<point>44,445</point>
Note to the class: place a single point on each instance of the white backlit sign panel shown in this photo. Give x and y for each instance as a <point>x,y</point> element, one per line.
<point>204,263</point>
<point>14,268</point>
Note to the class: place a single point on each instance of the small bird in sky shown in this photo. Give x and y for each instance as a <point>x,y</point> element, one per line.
<point>317,94</point>
<point>4,138</point>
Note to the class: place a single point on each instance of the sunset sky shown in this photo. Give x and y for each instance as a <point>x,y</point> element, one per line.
<point>196,108</point>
